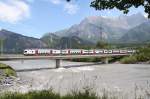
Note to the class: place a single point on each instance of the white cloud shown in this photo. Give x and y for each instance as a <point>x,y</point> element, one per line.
<point>13,11</point>
<point>55,1</point>
<point>145,15</point>
<point>71,8</point>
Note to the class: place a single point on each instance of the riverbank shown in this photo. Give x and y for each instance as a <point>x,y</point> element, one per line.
<point>122,60</point>
<point>99,60</point>
<point>7,75</point>
<point>118,78</point>
<point>86,93</point>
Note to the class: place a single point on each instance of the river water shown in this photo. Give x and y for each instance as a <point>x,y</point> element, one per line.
<point>118,78</point>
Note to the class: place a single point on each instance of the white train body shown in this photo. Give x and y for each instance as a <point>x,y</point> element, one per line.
<point>76,51</point>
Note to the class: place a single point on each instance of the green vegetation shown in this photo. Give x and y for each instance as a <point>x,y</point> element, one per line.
<point>49,94</point>
<point>129,60</point>
<point>122,5</point>
<point>101,44</point>
<point>143,55</point>
<point>7,70</point>
<point>85,94</point>
<point>87,60</point>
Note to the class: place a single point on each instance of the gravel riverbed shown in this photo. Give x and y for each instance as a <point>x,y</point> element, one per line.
<point>118,78</point>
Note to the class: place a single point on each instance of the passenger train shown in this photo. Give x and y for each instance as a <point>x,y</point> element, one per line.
<point>51,52</point>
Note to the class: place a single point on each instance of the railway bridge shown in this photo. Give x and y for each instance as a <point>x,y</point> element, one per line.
<point>60,57</point>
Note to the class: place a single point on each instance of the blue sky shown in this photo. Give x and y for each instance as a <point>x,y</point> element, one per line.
<point>36,17</point>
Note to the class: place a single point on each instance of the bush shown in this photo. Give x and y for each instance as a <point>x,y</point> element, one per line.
<point>129,60</point>
<point>49,94</point>
<point>143,54</point>
<point>7,70</point>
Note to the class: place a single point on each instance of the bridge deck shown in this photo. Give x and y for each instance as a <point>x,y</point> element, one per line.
<point>22,57</point>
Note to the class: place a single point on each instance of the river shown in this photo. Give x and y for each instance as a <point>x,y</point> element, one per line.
<point>120,78</point>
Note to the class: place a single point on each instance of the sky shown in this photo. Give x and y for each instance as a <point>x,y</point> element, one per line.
<point>34,18</point>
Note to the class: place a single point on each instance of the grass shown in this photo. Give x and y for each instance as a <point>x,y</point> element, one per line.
<point>8,71</point>
<point>129,60</point>
<point>49,94</point>
<point>85,94</point>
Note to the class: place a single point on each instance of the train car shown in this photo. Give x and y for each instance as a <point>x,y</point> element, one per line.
<point>65,52</point>
<point>106,51</point>
<point>131,51</point>
<point>91,52</point>
<point>55,52</point>
<point>99,51</point>
<point>115,51</point>
<point>84,52</point>
<point>110,52</point>
<point>75,51</point>
<point>44,52</point>
<point>30,52</point>
<point>123,51</point>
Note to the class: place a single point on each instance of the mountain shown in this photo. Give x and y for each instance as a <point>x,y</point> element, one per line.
<point>51,40</point>
<point>95,28</point>
<point>138,34</point>
<point>73,42</point>
<point>54,41</point>
<point>133,20</point>
<point>13,42</point>
<point>124,29</point>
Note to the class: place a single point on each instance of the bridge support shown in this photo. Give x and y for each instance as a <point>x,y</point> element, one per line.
<point>106,61</point>
<point>57,63</point>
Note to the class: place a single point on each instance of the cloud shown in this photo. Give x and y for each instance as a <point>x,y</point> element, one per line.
<point>55,1</point>
<point>145,15</point>
<point>71,8</point>
<point>13,11</point>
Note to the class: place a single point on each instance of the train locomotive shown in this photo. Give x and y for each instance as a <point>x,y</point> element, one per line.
<point>51,52</point>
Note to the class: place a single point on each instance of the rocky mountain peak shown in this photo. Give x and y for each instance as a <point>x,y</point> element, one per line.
<point>93,28</point>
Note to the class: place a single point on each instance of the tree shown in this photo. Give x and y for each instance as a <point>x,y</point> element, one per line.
<point>122,5</point>
<point>102,44</point>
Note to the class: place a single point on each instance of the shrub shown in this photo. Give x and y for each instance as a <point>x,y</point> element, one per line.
<point>7,70</point>
<point>143,54</point>
<point>49,94</point>
<point>129,60</point>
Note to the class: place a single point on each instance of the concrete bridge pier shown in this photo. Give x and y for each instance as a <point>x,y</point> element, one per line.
<point>57,63</point>
<point>106,61</point>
